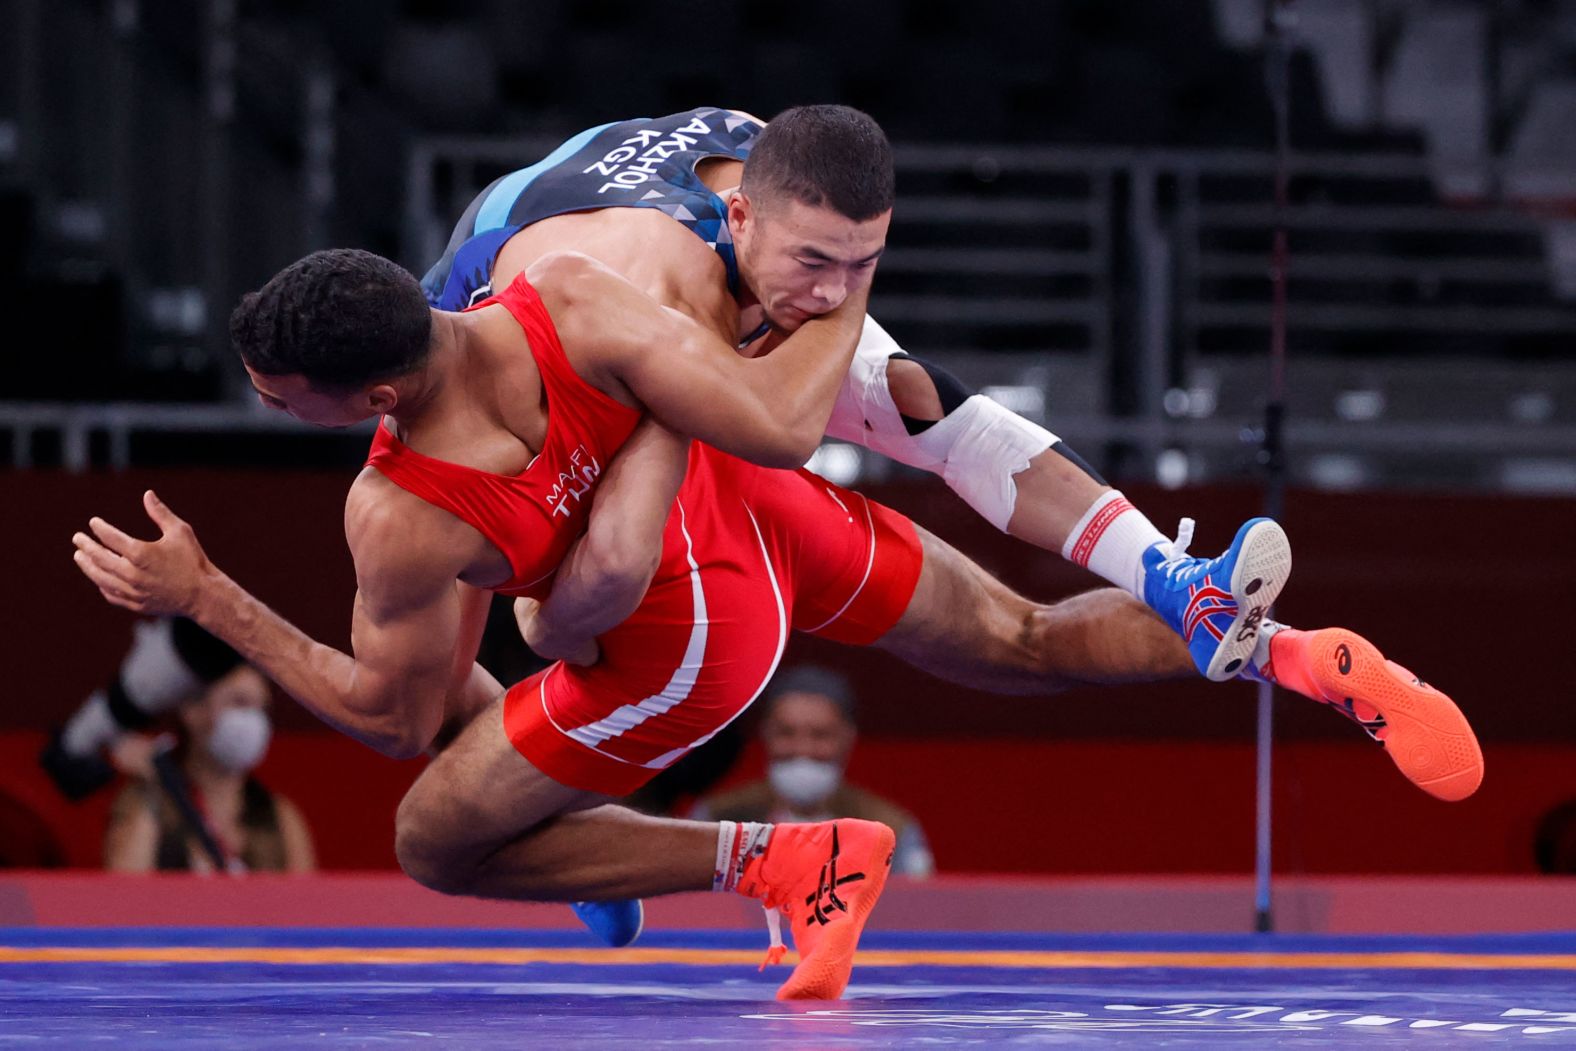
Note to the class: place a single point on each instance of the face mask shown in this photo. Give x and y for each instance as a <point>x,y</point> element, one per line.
<point>804,782</point>
<point>239,738</point>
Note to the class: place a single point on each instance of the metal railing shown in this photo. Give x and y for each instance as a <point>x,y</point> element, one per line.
<point>90,436</point>
<point>1474,454</point>
<point>1129,289</point>
<point>1125,294</point>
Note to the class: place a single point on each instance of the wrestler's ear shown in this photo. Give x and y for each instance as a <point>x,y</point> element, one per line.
<point>381,398</point>
<point>741,212</point>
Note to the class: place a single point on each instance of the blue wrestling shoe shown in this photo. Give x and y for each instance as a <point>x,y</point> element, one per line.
<point>1217,604</point>
<point>618,923</point>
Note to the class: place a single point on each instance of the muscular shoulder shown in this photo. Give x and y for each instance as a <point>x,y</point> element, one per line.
<point>399,542</point>
<point>585,297</point>
<point>649,253</point>
<point>566,275</point>
<point>674,264</point>
<point>379,514</point>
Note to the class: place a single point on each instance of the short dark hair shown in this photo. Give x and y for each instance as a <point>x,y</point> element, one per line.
<point>824,156</point>
<point>340,317</point>
<point>816,680</point>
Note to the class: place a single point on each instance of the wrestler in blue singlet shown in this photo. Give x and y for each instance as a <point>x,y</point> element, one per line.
<point>642,163</point>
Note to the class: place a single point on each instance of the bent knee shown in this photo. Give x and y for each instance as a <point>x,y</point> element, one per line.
<point>423,858</point>
<point>427,868</point>
<point>1040,642</point>
<point>1101,636</point>
<point>423,847</point>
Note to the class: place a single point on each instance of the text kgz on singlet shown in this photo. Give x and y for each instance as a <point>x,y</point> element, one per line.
<point>627,177</point>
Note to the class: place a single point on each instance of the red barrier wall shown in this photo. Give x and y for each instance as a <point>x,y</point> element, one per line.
<point>1006,805</point>
<point>1302,905</point>
<point>1477,595</point>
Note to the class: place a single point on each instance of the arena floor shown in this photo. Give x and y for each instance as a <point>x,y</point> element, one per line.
<point>358,988</point>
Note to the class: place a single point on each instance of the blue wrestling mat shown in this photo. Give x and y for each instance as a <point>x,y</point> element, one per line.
<point>316,988</point>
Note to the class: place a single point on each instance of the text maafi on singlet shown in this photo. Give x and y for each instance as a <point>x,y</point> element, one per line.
<point>534,516</point>
<point>642,163</point>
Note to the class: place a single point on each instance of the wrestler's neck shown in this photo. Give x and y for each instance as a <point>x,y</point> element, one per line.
<point>755,330</point>
<point>751,316</point>
<point>457,342</point>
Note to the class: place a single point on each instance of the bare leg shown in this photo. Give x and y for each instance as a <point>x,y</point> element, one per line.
<point>1053,494</point>
<point>965,626</point>
<point>483,821</point>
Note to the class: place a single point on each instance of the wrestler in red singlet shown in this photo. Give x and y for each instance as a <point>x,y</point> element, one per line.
<point>748,553</point>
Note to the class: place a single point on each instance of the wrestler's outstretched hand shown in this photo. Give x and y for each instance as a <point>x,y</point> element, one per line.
<point>545,643</point>
<point>163,576</point>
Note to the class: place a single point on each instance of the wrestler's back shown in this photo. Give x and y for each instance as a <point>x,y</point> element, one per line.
<point>513,450</point>
<point>643,196</point>
<point>644,246</point>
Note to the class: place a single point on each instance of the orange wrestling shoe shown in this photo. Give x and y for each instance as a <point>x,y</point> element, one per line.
<point>823,879</point>
<point>1422,729</point>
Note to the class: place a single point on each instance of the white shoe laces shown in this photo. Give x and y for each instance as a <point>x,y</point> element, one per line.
<point>1176,551</point>
<point>774,924</point>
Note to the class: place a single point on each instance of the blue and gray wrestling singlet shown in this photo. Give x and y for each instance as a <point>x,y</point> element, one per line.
<point>642,163</point>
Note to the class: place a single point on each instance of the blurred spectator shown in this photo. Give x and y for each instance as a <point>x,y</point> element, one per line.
<point>808,728</point>
<point>192,804</point>
<point>171,660</point>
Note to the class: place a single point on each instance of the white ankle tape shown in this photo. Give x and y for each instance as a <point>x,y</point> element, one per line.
<point>727,833</point>
<point>737,843</point>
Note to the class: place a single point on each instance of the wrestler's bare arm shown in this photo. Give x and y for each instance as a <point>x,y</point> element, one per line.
<point>404,630</point>
<point>771,410</point>
<point>605,574</point>
<point>472,687</point>
<point>391,694</point>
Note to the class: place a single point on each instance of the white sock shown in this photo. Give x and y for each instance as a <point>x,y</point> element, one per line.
<point>91,728</point>
<point>1260,661</point>
<point>737,843</point>
<point>1110,540</point>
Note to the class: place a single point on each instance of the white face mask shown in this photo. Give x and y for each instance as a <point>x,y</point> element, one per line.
<point>240,737</point>
<point>804,782</point>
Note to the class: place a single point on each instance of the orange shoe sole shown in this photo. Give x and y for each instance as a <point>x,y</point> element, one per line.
<point>824,974</point>
<point>1426,734</point>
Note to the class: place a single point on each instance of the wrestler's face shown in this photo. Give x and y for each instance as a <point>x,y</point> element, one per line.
<point>801,260</point>
<point>807,726</point>
<point>326,407</point>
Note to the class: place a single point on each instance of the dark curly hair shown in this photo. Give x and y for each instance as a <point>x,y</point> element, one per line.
<point>825,156</point>
<point>340,317</point>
